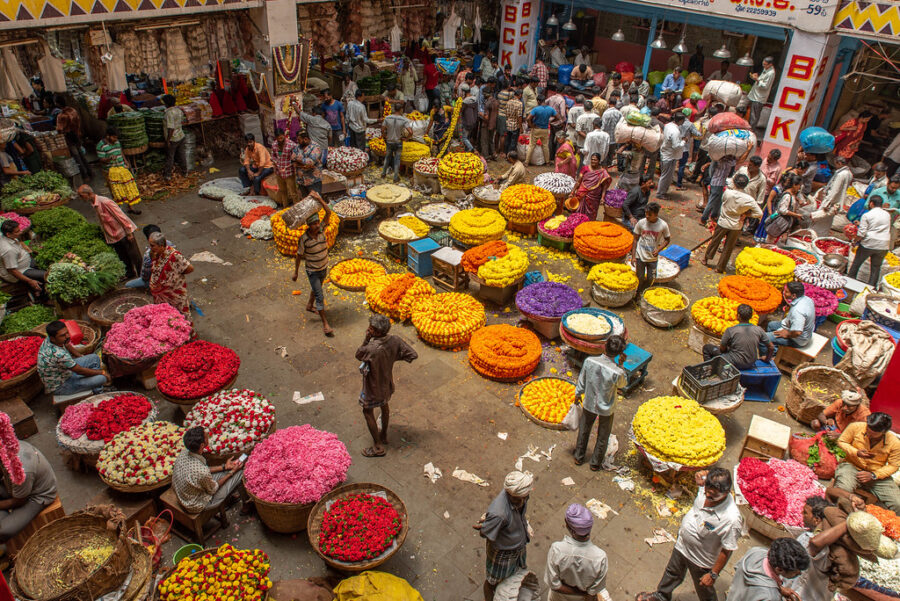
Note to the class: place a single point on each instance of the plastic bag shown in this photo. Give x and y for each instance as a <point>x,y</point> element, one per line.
<point>816,140</point>
<point>723,91</point>
<point>573,417</point>
<point>638,119</point>
<point>723,121</point>
<point>521,586</point>
<point>856,210</point>
<point>858,306</point>
<point>799,447</point>
<point>376,586</point>
<point>649,138</point>
<point>733,142</point>
<point>537,155</point>
<point>298,214</point>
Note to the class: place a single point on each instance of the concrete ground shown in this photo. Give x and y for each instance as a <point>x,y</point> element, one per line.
<point>443,412</point>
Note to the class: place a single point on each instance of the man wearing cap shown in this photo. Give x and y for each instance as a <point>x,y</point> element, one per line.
<point>576,567</point>
<point>506,531</point>
<point>873,456</point>
<point>708,536</point>
<point>837,416</point>
<point>313,248</point>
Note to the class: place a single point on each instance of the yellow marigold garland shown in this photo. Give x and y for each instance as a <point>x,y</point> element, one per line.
<point>505,270</point>
<point>461,171</point>
<point>454,119</point>
<point>286,240</point>
<point>663,298</point>
<point>447,320</point>
<point>525,203</point>
<point>766,265</point>
<point>548,399</point>
<point>717,314</point>
<point>355,273</point>
<point>395,294</point>
<point>678,429</point>
<point>419,227</point>
<point>477,226</point>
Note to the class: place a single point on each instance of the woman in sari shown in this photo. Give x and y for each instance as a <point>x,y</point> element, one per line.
<point>565,156</point>
<point>167,270</point>
<point>850,134</point>
<point>590,187</point>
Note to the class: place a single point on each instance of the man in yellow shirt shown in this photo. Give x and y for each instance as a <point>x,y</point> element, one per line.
<point>873,455</point>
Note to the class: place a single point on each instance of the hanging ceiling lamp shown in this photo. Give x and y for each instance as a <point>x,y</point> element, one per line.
<point>552,21</point>
<point>680,47</point>
<point>745,61</point>
<point>619,36</point>
<point>722,53</point>
<point>570,25</point>
<point>659,43</point>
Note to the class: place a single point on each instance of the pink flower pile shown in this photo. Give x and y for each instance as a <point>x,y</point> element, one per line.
<point>296,465</point>
<point>24,222</point>
<point>798,482</point>
<point>566,229</point>
<point>9,451</point>
<point>778,489</point>
<point>148,331</point>
<point>826,301</point>
<point>75,419</point>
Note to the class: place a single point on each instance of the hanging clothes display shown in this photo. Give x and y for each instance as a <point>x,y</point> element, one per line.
<point>476,34</point>
<point>151,57</point>
<point>178,60</point>
<point>16,82</point>
<point>448,32</point>
<point>134,62</point>
<point>51,69</point>
<point>199,49</point>
<point>396,32</point>
<point>115,69</point>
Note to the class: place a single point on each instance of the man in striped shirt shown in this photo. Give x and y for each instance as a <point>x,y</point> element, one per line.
<point>313,248</point>
<point>109,151</point>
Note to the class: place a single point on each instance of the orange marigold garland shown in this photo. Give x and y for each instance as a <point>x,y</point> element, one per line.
<point>504,352</point>
<point>395,294</point>
<point>447,320</point>
<point>759,294</point>
<point>525,203</point>
<point>888,519</point>
<point>474,258</point>
<point>602,240</point>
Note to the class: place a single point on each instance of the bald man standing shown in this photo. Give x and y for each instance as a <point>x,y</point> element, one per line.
<point>117,228</point>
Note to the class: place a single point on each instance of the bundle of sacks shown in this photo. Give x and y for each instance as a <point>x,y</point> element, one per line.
<point>731,135</point>
<point>635,128</point>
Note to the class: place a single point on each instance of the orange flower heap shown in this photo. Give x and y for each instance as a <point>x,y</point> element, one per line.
<point>286,240</point>
<point>395,294</point>
<point>888,519</point>
<point>447,320</point>
<point>525,203</point>
<point>474,258</point>
<point>759,294</point>
<point>716,314</point>
<point>601,240</point>
<point>504,352</point>
<point>548,399</point>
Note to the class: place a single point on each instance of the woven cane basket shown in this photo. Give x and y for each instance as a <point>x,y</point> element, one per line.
<point>814,387</point>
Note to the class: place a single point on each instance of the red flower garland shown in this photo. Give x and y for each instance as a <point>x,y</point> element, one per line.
<point>18,355</point>
<point>761,488</point>
<point>117,414</point>
<point>196,369</point>
<point>358,527</point>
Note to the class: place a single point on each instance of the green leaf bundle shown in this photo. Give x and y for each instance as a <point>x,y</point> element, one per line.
<point>54,221</point>
<point>27,318</point>
<point>85,240</point>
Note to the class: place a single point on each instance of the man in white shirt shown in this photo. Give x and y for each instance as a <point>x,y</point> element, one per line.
<point>574,113</point>
<point>597,141</point>
<point>651,236</point>
<point>756,186</point>
<point>671,150</point>
<point>583,127</point>
<point>831,197</point>
<point>611,117</point>
<point>873,239</point>
<point>357,121</point>
<point>558,55</point>
<point>576,567</point>
<point>721,74</point>
<point>598,381</point>
<point>737,206</point>
<point>583,57</point>
<point>759,93</point>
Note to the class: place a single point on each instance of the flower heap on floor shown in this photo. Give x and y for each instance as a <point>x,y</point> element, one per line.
<point>665,299</point>
<point>358,527</point>
<point>562,226</point>
<point>256,214</point>
<point>346,159</point>
<point>229,573</point>
<point>759,294</point>
<point>504,352</point>
<point>716,314</point>
<point>477,226</point>
<point>395,294</point>
<point>460,171</point>
<point>679,430</point>
<point>602,240</point>
<point>356,273</point>
<point>18,355</point>
<point>148,331</point>
<point>296,465</point>
<point>234,420</point>
<point>613,276</point>
<point>142,455</point>
<point>525,203</point>
<point>447,320</point>
<point>778,489</point>
<point>196,369</point>
<point>548,299</point>
<point>548,399</point>
<point>766,265</point>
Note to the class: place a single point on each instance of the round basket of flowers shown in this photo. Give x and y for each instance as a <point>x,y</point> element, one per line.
<point>504,353</point>
<point>561,228</point>
<point>678,433</point>
<point>560,185</point>
<point>776,491</point>
<point>290,471</point>
<point>597,241</point>
<point>614,284</point>
<point>766,265</point>
<point>460,171</point>
<point>447,320</point>
<point>355,274</point>
<point>234,420</point>
<point>762,296</point>
<point>223,573</point>
<point>820,275</point>
<point>547,301</point>
<point>18,360</point>
<point>477,226</point>
<point>546,401</point>
<point>496,264</point>
<point>395,294</point>
<point>664,307</point>
<point>141,458</point>
<point>714,314</point>
<point>525,203</point>
<point>86,427</point>
<point>587,323</point>
<point>145,334</point>
<point>358,527</point>
<point>195,370</point>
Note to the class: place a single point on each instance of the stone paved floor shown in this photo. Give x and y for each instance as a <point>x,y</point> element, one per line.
<point>443,412</point>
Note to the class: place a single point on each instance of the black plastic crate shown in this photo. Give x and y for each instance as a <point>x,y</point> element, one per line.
<point>441,237</point>
<point>710,380</point>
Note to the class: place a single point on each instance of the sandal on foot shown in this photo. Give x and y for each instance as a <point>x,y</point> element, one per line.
<point>371,452</point>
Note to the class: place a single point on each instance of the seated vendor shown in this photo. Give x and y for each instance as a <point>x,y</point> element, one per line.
<point>837,416</point>
<point>582,77</point>
<point>741,343</point>
<point>873,456</point>
<point>395,98</point>
<point>22,501</point>
<point>63,369</point>
<point>16,262</point>
<point>257,165</point>
<point>195,484</point>
<point>516,172</point>
<point>797,327</point>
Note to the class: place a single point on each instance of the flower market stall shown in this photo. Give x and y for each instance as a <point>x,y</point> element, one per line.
<point>814,387</point>
<point>557,232</point>
<point>388,197</point>
<point>597,241</point>
<point>437,214</point>
<point>234,421</point>
<point>290,471</point>
<point>27,318</point>
<point>711,316</point>
<point>544,304</point>
<point>546,401</point>
<point>41,191</point>
<point>774,493</point>
<point>460,171</point>
<point>766,265</point>
<point>447,320</point>
<point>523,205</point>
<point>195,370</point>
<point>587,324</point>
<point>496,264</point>
<point>472,227</point>
<point>763,297</point>
<point>141,458</point>
<point>559,185</point>
<point>486,196</point>
<point>504,353</point>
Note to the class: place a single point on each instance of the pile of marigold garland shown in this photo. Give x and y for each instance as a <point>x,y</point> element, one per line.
<point>766,265</point>
<point>447,320</point>
<point>759,294</point>
<point>496,263</point>
<point>394,294</point>
<point>504,352</point>
<point>602,240</point>
<point>679,430</point>
<point>716,314</point>
<point>477,226</point>
<point>525,203</point>
<point>548,399</point>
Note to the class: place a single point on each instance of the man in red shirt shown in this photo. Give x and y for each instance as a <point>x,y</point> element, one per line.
<point>432,75</point>
<point>117,228</point>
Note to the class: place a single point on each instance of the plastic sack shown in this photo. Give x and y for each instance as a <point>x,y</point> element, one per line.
<point>733,142</point>
<point>537,155</point>
<point>690,89</point>
<point>723,91</point>
<point>627,77</point>
<point>647,137</point>
<point>573,417</point>
<point>75,332</point>
<point>693,78</point>
<point>447,66</point>
<point>521,586</point>
<point>375,586</point>
<point>816,140</point>
<point>624,67</point>
<point>726,120</point>
<point>655,77</point>
<point>638,119</point>
<point>799,447</point>
<point>856,210</point>
<point>600,79</point>
<point>297,214</point>
<point>858,306</point>
<point>564,74</point>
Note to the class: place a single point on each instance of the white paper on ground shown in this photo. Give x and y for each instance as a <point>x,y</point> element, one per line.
<point>502,435</point>
<point>624,483</point>
<point>568,481</point>
<point>310,398</point>
<point>469,477</point>
<point>600,509</point>
<point>660,535</point>
<point>207,257</point>
<point>432,472</point>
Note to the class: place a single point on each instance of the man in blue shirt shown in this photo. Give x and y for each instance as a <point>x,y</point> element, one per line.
<point>797,327</point>
<point>890,194</point>
<point>539,122</point>
<point>334,114</point>
<point>673,82</point>
<point>598,381</point>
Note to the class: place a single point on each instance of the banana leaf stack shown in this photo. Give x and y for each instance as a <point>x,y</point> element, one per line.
<point>370,86</point>
<point>154,122</point>
<point>132,131</point>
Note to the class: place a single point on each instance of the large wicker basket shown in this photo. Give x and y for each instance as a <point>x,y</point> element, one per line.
<point>112,307</point>
<point>25,211</point>
<point>285,518</point>
<point>531,416</point>
<point>91,335</point>
<point>51,551</point>
<point>662,318</point>
<point>814,387</point>
<point>612,298</point>
<point>318,512</point>
<point>23,378</point>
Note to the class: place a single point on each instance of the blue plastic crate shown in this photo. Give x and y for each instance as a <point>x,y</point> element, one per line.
<point>418,256</point>
<point>836,352</point>
<point>760,382</point>
<point>676,253</point>
<point>533,277</point>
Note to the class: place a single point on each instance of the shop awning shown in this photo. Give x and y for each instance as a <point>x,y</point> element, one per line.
<point>875,21</point>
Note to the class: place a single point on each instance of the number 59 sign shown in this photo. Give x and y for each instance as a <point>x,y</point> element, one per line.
<point>517,28</point>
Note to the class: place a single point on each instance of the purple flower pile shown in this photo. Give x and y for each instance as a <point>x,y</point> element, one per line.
<point>615,198</point>
<point>548,299</point>
<point>566,229</point>
<point>826,301</point>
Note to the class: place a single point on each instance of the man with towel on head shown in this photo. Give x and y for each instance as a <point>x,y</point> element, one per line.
<point>506,531</point>
<point>576,567</point>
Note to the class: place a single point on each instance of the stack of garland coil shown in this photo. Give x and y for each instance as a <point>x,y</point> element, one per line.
<point>370,86</point>
<point>15,194</point>
<point>132,131</point>
<point>388,78</point>
<point>154,122</point>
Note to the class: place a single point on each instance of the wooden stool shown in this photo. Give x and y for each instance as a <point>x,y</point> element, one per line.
<point>447,270</point>
<point>52,512</point>
<point>190,526</point>
<point>135,507</point>
<point>789,357</point>
<point>21,416</point>
<point>766,439</point>
<point>61,401</point>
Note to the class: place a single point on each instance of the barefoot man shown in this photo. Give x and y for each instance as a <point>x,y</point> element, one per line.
<point>313,248</point>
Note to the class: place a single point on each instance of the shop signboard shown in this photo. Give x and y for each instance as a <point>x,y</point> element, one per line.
<point>868,19</point>
<point>806,15</point>
<point>518,20</point>
<point>800,91</point>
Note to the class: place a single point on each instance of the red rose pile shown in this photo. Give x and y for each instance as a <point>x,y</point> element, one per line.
<point>18,355</point>
<point>196,369</point>
<point>358,527</point>
<point>760,487</point>
<point>234,420</point>
<point>117,414</point>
